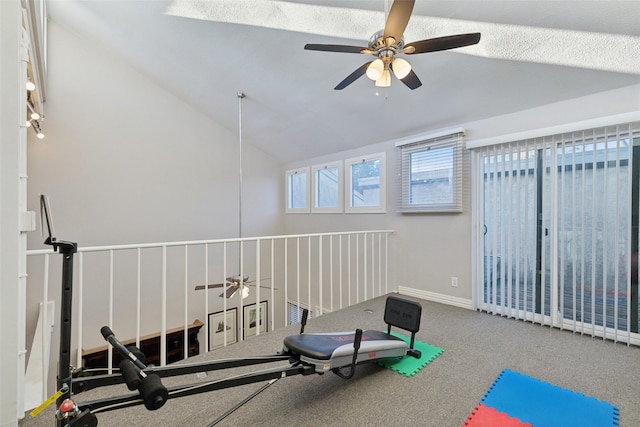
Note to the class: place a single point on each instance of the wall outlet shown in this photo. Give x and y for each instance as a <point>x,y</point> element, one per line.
<point>454,281</point>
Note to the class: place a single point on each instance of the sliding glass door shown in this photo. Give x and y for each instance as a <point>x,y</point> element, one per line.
<point>557,222</point>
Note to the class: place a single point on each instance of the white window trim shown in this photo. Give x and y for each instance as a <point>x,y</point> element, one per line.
<point>382,207</point>
<point>314,183</point>
<point>455,140</point>
<point>286,189</point>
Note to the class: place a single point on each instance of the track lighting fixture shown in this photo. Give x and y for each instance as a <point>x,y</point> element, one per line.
<point>34,117</point>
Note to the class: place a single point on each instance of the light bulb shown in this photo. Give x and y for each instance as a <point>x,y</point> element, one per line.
<point>28,124</point>
<point>40,135</point>
<point>35,116</point>
<point>245,292</point>
<point>401,68</point>
<point>375,69</point>
<point>384,80</point>
<point>30,85</point>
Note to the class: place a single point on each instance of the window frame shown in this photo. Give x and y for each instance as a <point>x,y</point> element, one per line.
<point>314,182</point>
<point>406,150</point>
<point>348,163</point>
<point>288,175</point>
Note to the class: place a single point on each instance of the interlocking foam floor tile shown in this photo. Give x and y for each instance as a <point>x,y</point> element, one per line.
<point>409,365</point>
<point>542,404</point>
<point>483,416</point>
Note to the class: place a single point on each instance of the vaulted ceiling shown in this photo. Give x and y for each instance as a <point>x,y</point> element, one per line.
<point>531,53</point>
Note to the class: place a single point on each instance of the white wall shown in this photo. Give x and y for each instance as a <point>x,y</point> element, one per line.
<point>11,257</point>
<point>124,161</point>
<point>428,249</point>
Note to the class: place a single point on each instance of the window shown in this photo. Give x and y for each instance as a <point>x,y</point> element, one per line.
<point>327,188</point>
<point>366,184</point>
<point>297,190</point>
<point>294,312</point>
<point>431,175</point>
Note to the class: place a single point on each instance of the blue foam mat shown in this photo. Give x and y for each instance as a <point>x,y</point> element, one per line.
<point>543,404</point>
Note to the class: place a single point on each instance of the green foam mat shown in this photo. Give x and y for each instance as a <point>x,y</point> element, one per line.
<point>409,365</point>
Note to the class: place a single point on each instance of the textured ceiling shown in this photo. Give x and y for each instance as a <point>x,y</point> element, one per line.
<point>531,53</point>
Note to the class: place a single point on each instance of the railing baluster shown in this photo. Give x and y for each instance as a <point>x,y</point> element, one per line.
<point>320,287</point>
<point>138,297</point>
<point>186,302</point>
<point>163,330</point>
<point>206,297</point>
<point>80,308</point>
<point>258,307</point>
<point>110,356</point>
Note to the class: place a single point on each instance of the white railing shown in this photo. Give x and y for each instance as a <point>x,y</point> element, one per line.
<point>145,289</point>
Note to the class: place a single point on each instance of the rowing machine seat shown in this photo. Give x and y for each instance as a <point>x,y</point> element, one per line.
<point>333,351</point>
<point>329,351</point>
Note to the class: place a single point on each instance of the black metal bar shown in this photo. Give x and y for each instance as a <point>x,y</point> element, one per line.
<point>66,249</point>
<point>119,402</point>
<point>242,403</point>
<point>87,383</point>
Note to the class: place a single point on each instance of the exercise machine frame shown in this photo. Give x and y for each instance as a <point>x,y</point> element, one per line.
<point>147,380</point>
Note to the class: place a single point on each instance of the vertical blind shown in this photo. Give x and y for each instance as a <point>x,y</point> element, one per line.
<point>557,220</point>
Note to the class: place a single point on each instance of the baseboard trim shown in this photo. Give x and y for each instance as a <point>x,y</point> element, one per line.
<point>436,297</point>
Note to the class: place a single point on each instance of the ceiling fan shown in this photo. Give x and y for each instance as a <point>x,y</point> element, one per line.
<point>389,42</point>
<point>233,284</point>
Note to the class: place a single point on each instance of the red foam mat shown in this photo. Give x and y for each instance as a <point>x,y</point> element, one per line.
<point>483,416</point>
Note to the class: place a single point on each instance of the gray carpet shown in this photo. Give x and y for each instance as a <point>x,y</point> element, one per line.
<point>477,347</point>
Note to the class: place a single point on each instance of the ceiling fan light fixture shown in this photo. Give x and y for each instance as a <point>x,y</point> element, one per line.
<point>245,292</point>
<point>376,69</point>
<point>401,68</point>
<point>385,79</point>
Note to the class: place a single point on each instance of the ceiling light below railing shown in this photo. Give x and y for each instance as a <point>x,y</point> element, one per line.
<point>30,86</point>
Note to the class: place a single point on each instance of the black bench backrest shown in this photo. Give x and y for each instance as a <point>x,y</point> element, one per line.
<point>404,314</point>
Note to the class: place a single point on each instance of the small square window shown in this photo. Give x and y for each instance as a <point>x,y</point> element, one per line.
<point>327,188</point>
<point>431,175</point>
<point>366,184</point>
<point>297,183</point>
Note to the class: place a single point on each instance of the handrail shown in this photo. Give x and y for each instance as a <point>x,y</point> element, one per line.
<point>204,242</point>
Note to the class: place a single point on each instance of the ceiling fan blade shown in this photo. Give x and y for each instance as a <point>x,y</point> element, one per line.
<point>231,291</point>
<point>398,19</point>
<point>412,81</point>
<point>442,43</point>
<point>265,287</point>
<point>335,48</point>
<point>209,286</point>
<point>353,76</point>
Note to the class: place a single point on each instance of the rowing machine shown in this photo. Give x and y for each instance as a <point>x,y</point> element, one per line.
<point>307,354</point>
